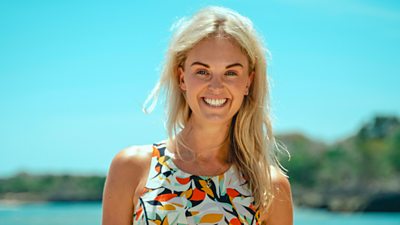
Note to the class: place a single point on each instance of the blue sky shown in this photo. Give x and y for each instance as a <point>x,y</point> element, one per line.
<point>74,74</point>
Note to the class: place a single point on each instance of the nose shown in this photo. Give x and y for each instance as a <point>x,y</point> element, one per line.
<point>216,84</point>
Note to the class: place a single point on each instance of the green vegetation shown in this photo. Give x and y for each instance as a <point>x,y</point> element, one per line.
<point>349,174</point>
<point>26,187</point>
<point>352,174</point>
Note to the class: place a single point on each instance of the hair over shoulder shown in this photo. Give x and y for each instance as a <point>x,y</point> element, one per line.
<point>251,137</point>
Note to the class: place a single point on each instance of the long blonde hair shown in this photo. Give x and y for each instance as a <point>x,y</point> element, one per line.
<point>252,143</point>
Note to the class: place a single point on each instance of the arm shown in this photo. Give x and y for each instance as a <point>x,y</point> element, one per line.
<point>281,210</point>
<point>127,172</point>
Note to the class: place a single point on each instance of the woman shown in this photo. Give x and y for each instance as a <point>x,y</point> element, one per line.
<point>218,165</point>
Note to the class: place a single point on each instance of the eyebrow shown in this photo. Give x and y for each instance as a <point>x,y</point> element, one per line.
<point>207,66</point>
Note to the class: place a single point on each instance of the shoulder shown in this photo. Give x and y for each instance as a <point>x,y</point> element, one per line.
<point>281,209</point>
<point>132,157</point>
<point>127,171</point>
<point>130,164</point>
<point>280,181</point>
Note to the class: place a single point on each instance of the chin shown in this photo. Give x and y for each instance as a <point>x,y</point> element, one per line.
<point>217,119</point>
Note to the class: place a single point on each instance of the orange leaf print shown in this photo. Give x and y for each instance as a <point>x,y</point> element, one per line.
<point>156,152</point>
<point>165,197</point>
<point>234,221</point>
<point>232,192</point>
<point>139,212</point>
<point>144,190</point>
<point>197,195</point>
<point>183,180</point>
<point>211,218</point>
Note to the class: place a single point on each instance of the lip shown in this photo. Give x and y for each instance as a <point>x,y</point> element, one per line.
<point>221,106</point>
<point>215,97</point>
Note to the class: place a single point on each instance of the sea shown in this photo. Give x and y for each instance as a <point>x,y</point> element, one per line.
<point>90,214</point>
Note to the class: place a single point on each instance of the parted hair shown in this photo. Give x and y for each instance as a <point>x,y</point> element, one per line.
<point>252,143</point>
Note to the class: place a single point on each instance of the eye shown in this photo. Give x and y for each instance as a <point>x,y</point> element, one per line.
<point>231,73</point>
<point>202,72</point>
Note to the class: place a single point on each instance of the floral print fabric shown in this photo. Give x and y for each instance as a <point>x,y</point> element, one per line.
<point>172,196</point>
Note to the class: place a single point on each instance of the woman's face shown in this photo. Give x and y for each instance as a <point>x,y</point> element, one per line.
<point>215,79</point>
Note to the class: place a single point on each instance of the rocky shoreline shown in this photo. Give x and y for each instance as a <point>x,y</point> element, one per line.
<point>358,174</point>
<point>349,201</point>
<point>343,202</point>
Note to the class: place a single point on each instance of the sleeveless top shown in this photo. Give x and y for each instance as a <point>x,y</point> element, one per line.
<point>172,196</point>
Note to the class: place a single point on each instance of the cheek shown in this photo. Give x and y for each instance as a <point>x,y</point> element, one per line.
<point>238,86</point>
<point>193,89</point>
<point>193,84</point>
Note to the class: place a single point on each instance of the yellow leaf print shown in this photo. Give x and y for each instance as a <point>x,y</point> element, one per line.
<point>205,188</point>
<point>203,183</point>
<point>167,207</point>
<point>165,222</point>
<point>177,204</point>
<point>194,213</point>
<point>187,193</point>
<point>211,218</point>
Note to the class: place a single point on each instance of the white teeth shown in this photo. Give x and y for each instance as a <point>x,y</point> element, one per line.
<point>215,102</point>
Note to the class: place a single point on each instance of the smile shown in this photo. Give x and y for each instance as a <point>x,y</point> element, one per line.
<point>215,102</point>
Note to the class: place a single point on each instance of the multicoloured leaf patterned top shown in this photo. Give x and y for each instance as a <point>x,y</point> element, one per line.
<point>172,196</point>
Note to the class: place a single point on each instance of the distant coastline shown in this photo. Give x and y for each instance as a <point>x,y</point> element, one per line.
<point>360,173</point>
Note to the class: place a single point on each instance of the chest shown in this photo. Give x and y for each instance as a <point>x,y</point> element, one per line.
<point>178,198</point>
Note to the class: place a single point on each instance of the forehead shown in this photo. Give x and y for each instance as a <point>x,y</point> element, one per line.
<point>217,51</point>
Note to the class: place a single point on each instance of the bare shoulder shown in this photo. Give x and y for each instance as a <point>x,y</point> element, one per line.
<point>126,174</point>
<point>129,166</point>
<point>132,157</point>
<point>281,209</point>
<point>280,180</point>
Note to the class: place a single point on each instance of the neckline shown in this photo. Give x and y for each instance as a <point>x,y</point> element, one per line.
<point>177,168</point>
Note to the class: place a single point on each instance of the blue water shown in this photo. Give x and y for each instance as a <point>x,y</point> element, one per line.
<point>90,214</point>
<point>51,214</point>
<point>321,217</point>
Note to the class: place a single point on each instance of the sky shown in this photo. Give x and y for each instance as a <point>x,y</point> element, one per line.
<point>74,74</point>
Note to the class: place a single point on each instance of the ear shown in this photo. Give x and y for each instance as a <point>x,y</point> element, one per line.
<point>181,74</point>
<point>249,81</point>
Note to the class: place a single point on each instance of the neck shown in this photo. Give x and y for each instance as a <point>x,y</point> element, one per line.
<point>209,142</point>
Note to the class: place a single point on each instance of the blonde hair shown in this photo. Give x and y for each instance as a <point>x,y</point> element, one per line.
<point>251,139</point>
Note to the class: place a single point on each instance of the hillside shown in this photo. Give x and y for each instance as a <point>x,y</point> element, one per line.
<point>360,173</point>
<point>27,187</point>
